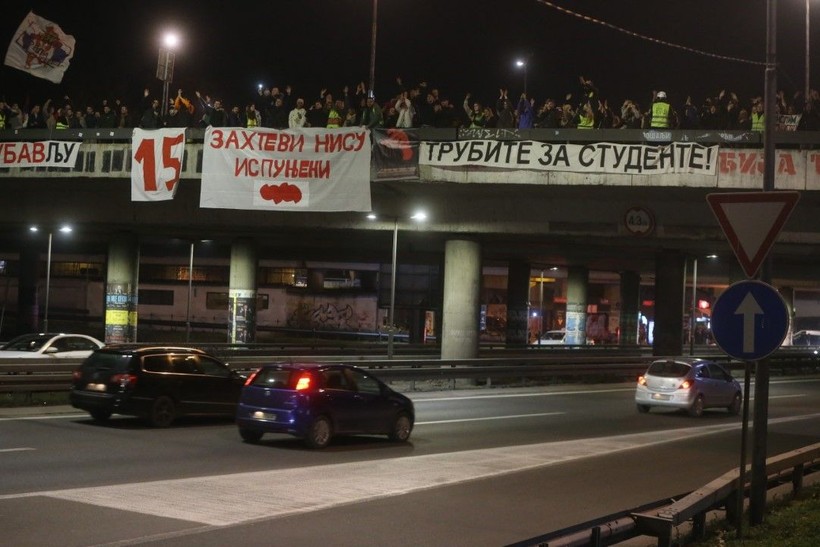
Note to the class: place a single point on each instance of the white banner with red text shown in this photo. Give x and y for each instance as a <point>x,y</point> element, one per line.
<point>156,161</point>
<point>609,158</point>
<point>310,169</point>
<point>39,154</point>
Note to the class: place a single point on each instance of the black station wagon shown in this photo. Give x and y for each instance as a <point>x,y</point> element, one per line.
<point>156,383</point>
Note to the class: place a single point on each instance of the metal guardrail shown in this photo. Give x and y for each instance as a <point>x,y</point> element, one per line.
<point>660,519</point>
<point>509,366</point>
<point>41,375</point>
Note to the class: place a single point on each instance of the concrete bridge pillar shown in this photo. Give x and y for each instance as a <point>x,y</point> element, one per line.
<point>630,307</point>
<point>461,306</point>
<point>242,292</point>
<point>121,290</point>
<point>668,337</point>
<point>576,322</point>
<point>518,301</point>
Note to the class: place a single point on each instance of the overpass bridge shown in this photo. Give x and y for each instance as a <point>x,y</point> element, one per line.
<point>495,199</point>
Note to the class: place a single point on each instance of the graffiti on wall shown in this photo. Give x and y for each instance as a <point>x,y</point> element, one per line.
<point>330,316</point>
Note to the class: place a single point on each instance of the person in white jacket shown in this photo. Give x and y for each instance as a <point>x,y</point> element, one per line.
<point>405,110</point>
<point>298,116</point>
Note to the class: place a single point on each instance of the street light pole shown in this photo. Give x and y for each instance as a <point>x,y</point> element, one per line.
<point>165,68</point>
<point>48,284</point>
<point>808,87</point>
<point>64,229</point>
<point>418,216</point>
<point>523,64</point>
<point>190,293</point>
<point>374,28</point>
<point>392,314</point>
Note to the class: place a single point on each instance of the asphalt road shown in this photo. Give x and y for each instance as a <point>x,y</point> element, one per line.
<point>484,467</point>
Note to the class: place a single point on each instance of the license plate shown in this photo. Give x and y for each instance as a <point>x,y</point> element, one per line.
<point>660,397</point>
<point>259,415</point>
<point>95,387</point>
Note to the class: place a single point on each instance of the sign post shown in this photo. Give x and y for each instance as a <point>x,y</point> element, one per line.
<point>753,318</point>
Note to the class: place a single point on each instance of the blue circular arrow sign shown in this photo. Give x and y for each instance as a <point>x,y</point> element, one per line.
<point>750,320</point>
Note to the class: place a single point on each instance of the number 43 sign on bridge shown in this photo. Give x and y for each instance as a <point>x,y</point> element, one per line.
<point>156,161</point>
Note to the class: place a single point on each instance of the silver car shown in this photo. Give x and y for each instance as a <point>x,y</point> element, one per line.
<point>688,383</point>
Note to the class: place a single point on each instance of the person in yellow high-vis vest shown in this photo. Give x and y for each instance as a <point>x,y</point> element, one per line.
<point>758,118</point>
<point>662,116</point>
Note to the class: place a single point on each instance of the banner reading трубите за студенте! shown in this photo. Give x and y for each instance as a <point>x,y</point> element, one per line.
<point>310,169</point>
<point>610,158</point>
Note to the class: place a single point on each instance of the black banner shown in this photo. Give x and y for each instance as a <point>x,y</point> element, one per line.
<point>395,154</point>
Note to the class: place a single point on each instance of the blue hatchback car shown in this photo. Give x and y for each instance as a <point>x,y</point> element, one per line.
<point>318,401</point>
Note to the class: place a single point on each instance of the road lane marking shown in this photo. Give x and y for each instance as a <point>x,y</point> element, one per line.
<point>510,417</point>
<point>16,449</point>
<point>55,417</point>
<point>224,500</point>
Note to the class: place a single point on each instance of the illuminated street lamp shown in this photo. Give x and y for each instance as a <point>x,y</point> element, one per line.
<point>65,229</point>
<point>418,216</point>
<point>520,63</point>
<point>165,66</point>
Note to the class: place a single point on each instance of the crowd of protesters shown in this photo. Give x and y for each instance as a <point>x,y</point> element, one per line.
<point>418,105</point>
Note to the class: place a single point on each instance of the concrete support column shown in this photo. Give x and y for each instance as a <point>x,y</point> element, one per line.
<point>577,284</point>
<point>28,313</point>
<point>518,300</point>
<point>242,293</point>
<point>668,336</point>
<point>630,307</point>
<point>461,307</point>
<point>121,290</point>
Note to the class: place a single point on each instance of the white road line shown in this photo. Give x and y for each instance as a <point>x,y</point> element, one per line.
<point>224,500</point>
<point>16,449</point>
<point>515,395</point>
<point>510,417</point>
<point>54,417</point>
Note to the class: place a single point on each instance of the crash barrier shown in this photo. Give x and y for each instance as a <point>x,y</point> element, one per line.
<point>661,518</point>
<point>42,375</point>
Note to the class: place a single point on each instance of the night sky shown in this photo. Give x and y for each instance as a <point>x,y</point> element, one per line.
<point>455,45</point>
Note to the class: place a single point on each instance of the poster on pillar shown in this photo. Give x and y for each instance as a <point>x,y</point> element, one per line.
<point>120,314</point>
<point>242,316</point>
<point>309,169</point>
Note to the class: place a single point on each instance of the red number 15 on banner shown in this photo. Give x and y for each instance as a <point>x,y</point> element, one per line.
<point>156,163</point>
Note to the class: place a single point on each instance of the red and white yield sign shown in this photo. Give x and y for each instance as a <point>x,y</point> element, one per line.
<point>751,222</point>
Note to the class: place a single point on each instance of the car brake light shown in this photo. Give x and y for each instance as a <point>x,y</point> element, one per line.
<point>77,375</point>
<point>641,380</point>
<point>303,382</point>
<point>124,380</point>
<point>686,384</point>
<point>251,378</point>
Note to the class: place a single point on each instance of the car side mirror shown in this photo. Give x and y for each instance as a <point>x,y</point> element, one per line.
<point>51,349</point>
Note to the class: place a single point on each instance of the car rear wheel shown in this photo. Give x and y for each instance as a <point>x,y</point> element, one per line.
<point>319,433</point>
<point>250,435</point>
<point>163,412</point>
<point>737,403</point>
<point>100,415</point>
<point>643,409</point>
<point>402,426</point>
<point>696,409</point>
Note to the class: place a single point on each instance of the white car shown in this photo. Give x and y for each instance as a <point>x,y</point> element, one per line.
<point>552,338</point>
<point>46,345</point>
